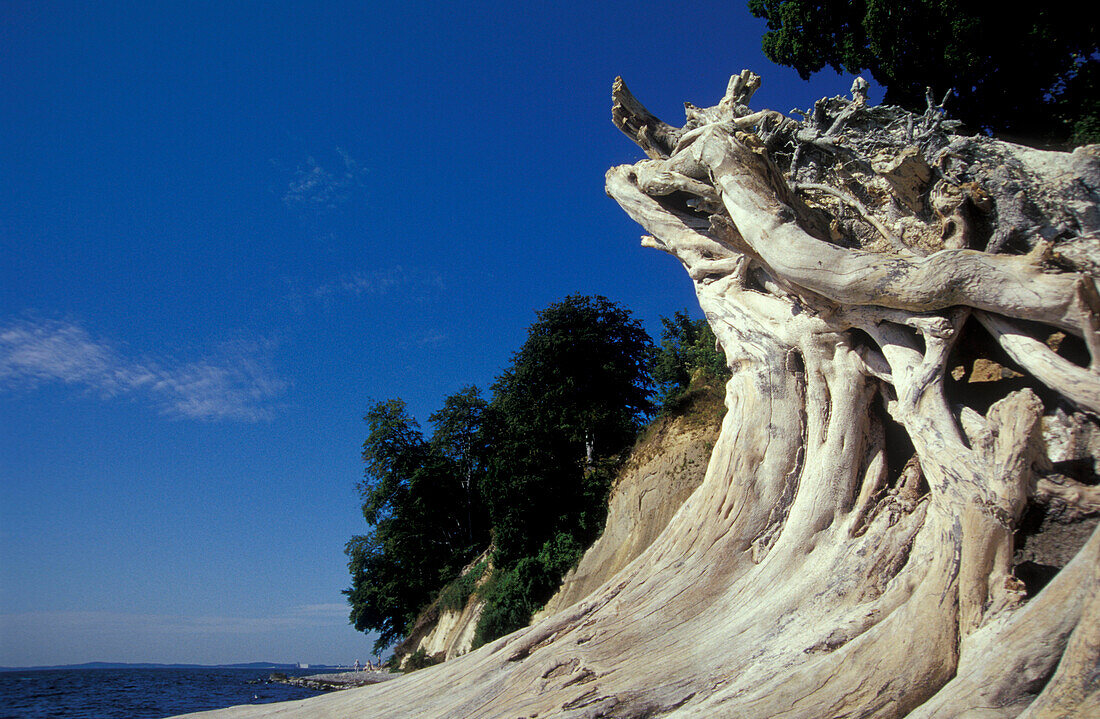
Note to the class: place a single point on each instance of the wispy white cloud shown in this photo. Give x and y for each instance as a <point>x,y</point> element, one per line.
<point>316,188</point>
<point>334,610</point>
<point>433,338</point>
<point>380,282</point>
<point>235,383</point>
<point>33,353</point>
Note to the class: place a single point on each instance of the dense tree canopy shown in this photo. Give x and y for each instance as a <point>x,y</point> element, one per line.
<point>583,371</point>
<point>1032,72</point>
<point>528,470</point>
<point>424,523</point>
<point>460,434</point>
<point>688,351</point>
<point>571,402</point>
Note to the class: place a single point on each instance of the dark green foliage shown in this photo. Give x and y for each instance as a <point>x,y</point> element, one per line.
<point>575,396</point>
<point>559,554</point>
<point>688,350</point>
<point>567,408</point>
<point>461,434</point>
<point>1079,105</point>
<point>419,660</point>
<point>379,596</point>
<point>1027,72</point>
<point>512,596</point>
<point>583,372</point>
<point>419,536</point>
<point>531,470</point>
<point>455,595</point>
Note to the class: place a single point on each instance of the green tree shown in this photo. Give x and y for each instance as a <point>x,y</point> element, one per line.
<point>572,401</point>
<point>576,393</point>
<point>582,373</point>
<point>417,541</point>
<point>461,434</point>
<point>529,470</point>
<point>688,351</point>
<point>1031,72</point>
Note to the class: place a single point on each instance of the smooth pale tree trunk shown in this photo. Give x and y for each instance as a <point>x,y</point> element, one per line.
<point>850,552</point>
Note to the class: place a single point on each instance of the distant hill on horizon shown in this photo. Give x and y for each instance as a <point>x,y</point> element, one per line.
<point>146,665</point>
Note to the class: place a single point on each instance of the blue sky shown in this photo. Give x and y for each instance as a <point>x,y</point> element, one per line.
<point>228,228</point>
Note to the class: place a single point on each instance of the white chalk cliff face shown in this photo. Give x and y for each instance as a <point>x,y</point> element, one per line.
<point>852,549</point>
<point>443,633</point>
<point>453,633</point>
<point>665,466</point>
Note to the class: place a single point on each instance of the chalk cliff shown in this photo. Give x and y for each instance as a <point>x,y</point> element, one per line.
<point>442,631</point>
<point>665,466</point>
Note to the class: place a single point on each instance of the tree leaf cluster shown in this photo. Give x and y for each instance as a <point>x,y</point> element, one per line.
<point>688,352</point>
<point>527,471</point>
<point>568,407</point>
<point>574,397</point>
<point>1030,73</point>
<point>426,518</point>
<point>454,596</point>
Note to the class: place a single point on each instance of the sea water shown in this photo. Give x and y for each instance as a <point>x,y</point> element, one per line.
<point>134,693</point>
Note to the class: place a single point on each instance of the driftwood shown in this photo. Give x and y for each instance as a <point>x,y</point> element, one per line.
<point>854,550</point>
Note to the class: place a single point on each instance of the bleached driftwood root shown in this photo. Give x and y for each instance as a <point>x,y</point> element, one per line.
<point>851,552</point>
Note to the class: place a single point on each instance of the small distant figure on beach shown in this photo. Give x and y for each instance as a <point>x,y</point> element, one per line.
<point>356,665</point>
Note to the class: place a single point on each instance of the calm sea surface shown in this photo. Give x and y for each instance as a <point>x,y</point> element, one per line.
<point>134,693</point>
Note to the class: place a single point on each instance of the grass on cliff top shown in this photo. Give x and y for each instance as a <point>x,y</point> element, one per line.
<point>700,407</point>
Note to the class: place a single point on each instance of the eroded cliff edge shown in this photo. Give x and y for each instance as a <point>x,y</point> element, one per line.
<point>665,466</point>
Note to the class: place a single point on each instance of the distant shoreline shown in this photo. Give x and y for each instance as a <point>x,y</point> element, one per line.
<point>335,681</point>
<point>274,666</point>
